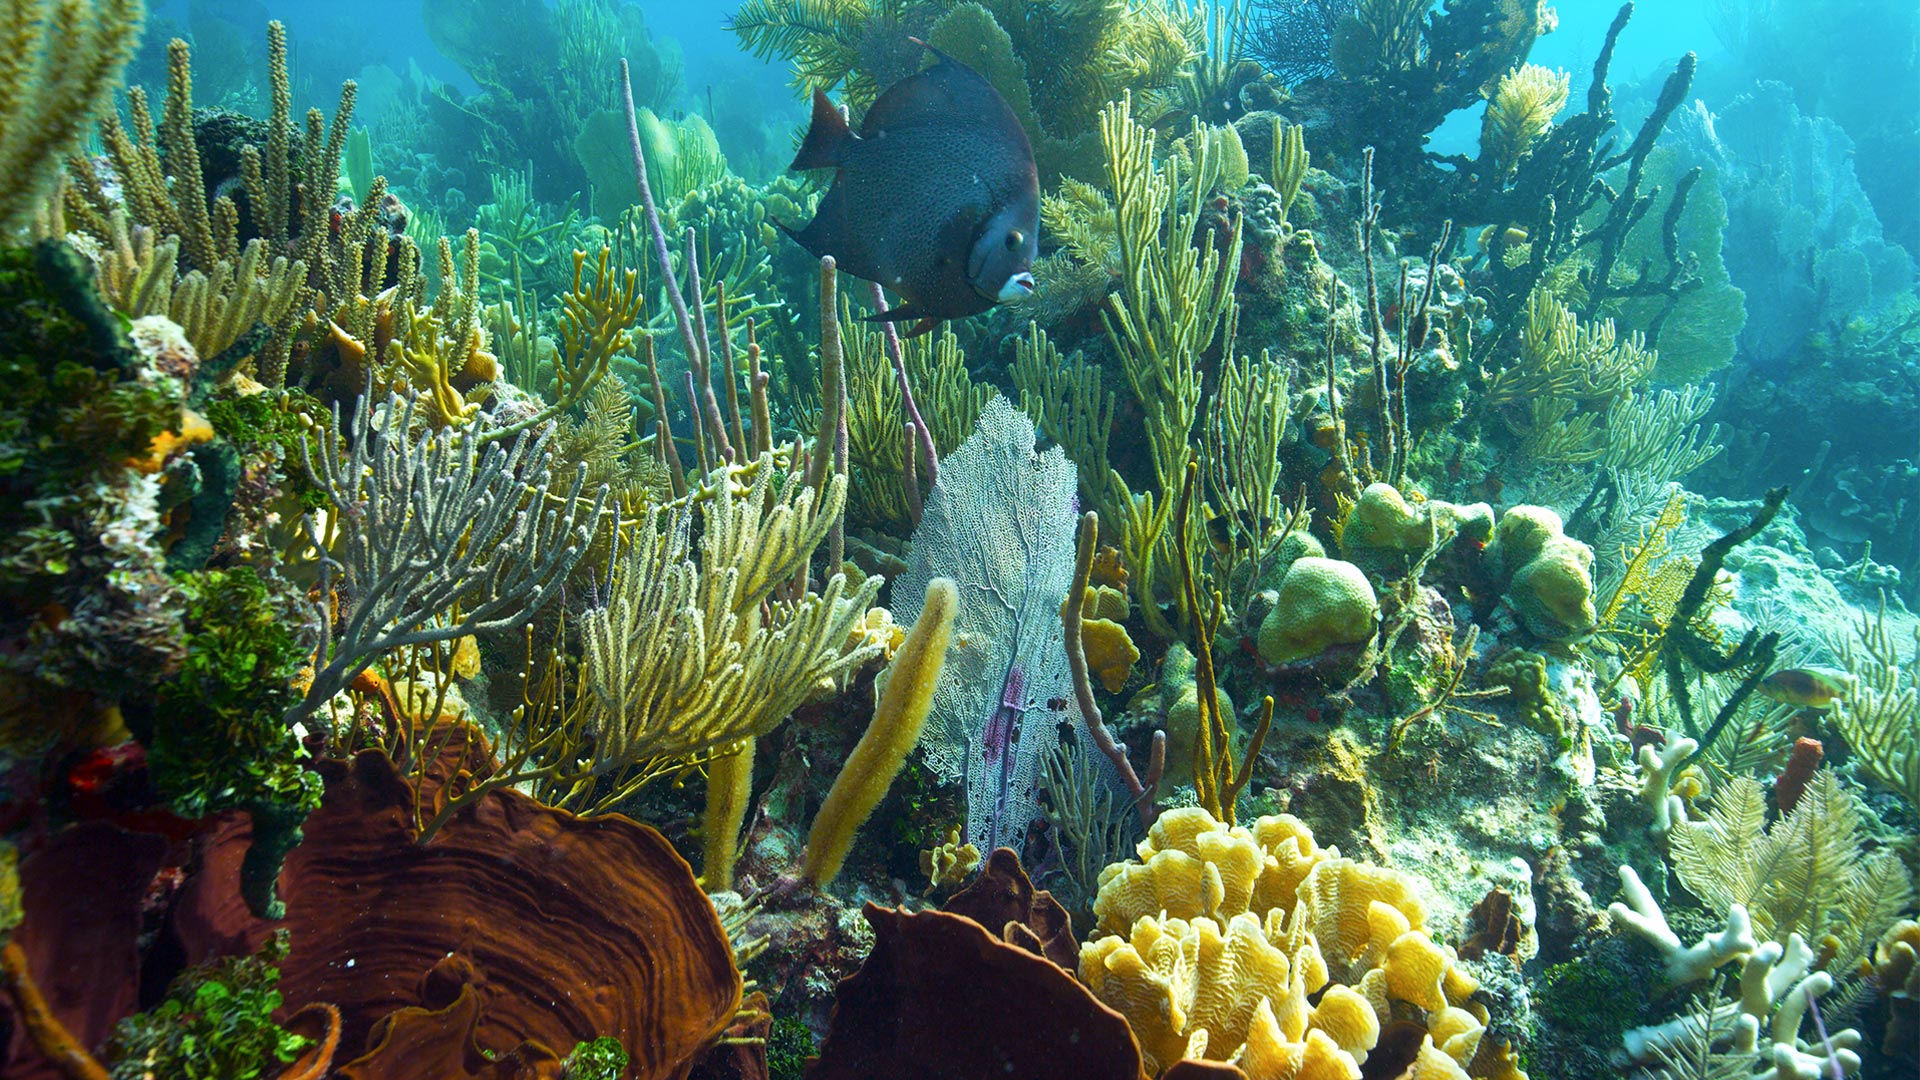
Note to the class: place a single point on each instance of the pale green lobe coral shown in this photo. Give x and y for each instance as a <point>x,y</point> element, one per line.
<point>1546,575</point>
<point>1386,534</point>
<point>1322,603</point>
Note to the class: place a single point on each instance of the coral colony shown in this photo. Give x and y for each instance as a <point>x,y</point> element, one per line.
<point>1153,550</point>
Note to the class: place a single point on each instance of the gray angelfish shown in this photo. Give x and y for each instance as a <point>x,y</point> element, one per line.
<point>937,198</point>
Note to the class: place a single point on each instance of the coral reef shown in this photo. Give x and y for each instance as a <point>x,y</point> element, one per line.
<point>1348,583</point>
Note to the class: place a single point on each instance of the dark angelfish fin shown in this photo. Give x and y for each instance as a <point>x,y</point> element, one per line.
<point>948,94</point>
<point>828,138</point>
<point>923,322</point>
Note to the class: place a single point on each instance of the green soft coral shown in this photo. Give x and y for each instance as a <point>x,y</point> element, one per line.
<point>216,1023</point>
<point>218,739</point>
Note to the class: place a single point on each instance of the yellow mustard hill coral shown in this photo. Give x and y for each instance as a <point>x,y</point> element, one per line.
<point>1225,935</point>
<point>1110,650</point>
<point>1322,603</point>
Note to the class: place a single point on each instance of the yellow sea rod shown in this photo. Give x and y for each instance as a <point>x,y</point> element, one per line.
<point>729,788</point>
<point>894,730</point>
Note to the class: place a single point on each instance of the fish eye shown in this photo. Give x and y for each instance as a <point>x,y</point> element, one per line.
<point>1015,238</point>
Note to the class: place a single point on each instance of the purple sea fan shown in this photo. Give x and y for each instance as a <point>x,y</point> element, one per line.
<point>1000,522</point>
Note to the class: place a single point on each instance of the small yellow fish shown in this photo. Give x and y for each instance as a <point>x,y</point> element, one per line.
<point>1809,688</point>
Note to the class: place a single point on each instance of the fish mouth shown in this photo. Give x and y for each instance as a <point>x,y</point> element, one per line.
<point>1017,286</point>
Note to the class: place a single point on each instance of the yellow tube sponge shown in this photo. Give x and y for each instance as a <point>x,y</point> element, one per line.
<point>1322,603</point>
<point>892,733</point>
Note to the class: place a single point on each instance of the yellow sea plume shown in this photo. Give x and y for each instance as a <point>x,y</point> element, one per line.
<point>1521,110</point>
<point>58,69</point>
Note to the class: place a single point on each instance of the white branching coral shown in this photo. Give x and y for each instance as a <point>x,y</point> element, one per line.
<point>1657,767</point>
<point>1756,1035</point>
<point>1684,963</point>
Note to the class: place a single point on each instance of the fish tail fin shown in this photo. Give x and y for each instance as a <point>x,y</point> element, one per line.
<point>828,137</point>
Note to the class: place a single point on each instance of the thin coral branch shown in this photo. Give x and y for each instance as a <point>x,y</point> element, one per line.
<point>1071,615</point>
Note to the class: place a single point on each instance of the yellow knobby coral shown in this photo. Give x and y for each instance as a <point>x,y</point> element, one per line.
<point>163,188</point>
<point>1522,109</point>
<point>1067,400</point>
<point>57,69</point>
<point>1235,985</point>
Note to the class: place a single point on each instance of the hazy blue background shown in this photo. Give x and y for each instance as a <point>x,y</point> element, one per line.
<point>333,39</point>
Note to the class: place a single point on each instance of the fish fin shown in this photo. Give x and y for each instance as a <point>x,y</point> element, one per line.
<point>828,138</point>
<point>923,321</point>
